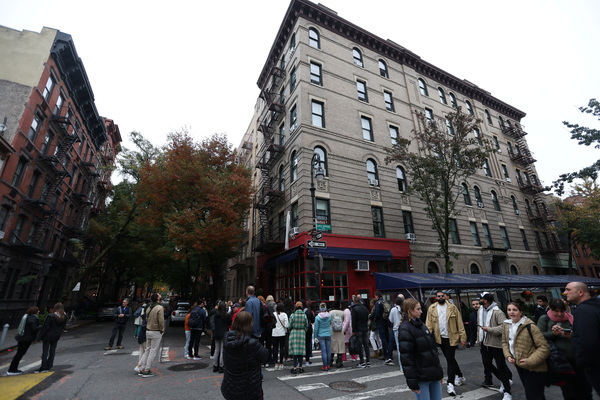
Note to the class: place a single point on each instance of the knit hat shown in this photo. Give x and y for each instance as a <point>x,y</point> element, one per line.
<point>323,307</point>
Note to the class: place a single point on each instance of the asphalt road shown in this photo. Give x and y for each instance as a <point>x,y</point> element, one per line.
<point>84,370</point>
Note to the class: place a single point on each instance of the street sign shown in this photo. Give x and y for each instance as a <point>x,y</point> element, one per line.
<point>316,243</point>
<point>317,236</point>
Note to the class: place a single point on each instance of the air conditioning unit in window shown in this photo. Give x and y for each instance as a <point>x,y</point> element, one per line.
<point>373,182</point>
<point>499,150</point>
<point>411,236</point>
<point>361,265</point>
<point>508,180</point>
<point>517,212</point>
<point>479,204</point>
<point>295,231</point>
<point>292,128</point>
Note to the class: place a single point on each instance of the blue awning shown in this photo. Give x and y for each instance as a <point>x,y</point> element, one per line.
<point>345,253</point>
<point>284,257</point>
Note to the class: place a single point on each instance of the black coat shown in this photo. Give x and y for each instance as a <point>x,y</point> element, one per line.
<point>32,326</point>
<point>360,318</point>
<point>586,325</point>
<point>472,328</point>
<point>418,354</point>
<point>52,328</point>
<point>222,322</point>
<point>242,357</point>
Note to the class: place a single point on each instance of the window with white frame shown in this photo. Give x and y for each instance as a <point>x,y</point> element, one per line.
<point>322,159</point>
<point>357,57</point>
<point>429,115</point>
<point>293,118</point>
<point>316,76</point>
<point>478,136</point>
<point>35,126</point>
<point>389,101</point>
<point>469,108</point>
<point>466,195</point>
<point>486,168</point>
<point>394,134</point>
<point>475,234</point>
<point>48,89</point>
<point>314,39</point>
<point>450,127</point>
<point>367,128</point>
<point>318,113</point>
<point>487,235</point>
<point>453,100</point>
<point>361,88</point>
<point>377,216</point>
<point>372,174</point>
<point>495,201</point>
<point>401,177</point>
<point>488,117</point>
<point>383,69</point>
<point>294,167</point>
<point>505,239</point>
<point>423,87</point>
<point>442,96</point>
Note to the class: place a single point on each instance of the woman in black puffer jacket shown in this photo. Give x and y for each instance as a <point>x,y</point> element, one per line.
<point>422,368</point>
<point>50,334</point>
<point>31,326</point>
<point>221,325</point>
<point>243,356</point>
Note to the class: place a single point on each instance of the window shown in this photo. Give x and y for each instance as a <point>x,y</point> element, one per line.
<point>487,235</point>
<point>35,126</point>
<point>394,134</point>
<point>294,167</point>
<point>372,174</point>
<point>486,168</point>
<point>496,144</point>
<point>281,179</point>
<point>361,88</point>
<point>536,271</point>
<point>408,222</point>
<point>293,119</point>
<point>528,208</point>
<point>33,184</point>
<point>478,136</point>
<point>576,250</point>
<point>429,115</point>
<point>453,100</point>
<point>313,38</point>
<point>478,197</point>
<point>293,43</point>
<point>466,195</point>
<point>442,96</point>
<point>315,73</point>
<point>488,117</point>
<point>282,134</point>
<point>292,80</point>
<point>4,214</point>
<point>432,268</point>
<point>294,214</point>
<point>357,56</point>
<point>281,226</point>
<point>504,235</point>
<point>323,221</point>
<point>514,270</point>
<point>454,231</point>
<point>282,95</point>
<point>377,215</point>
<point>423,87</point>
<point>524,237</point>
<point>48,89</point>
<point>282,62</point>
<point>322,158</point>
<point>475,234</point>
<point>519,178</point>
<point>514,203</point>
<point>450,127</point>
<point>469,108</point>
<point>367,129</point>
<point>401,177</point>
<point>495,201</point>
<point>59,104</point>
<point>501,121</point>
<point>505,172</point>
<point>47,141</point>
<point>474,268</point>
<point>318,114</point>
<point>19,172</point>
<point>389,101</point>
<point>383,70</point>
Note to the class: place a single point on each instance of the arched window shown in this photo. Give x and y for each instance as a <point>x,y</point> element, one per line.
<point>383,69</point>
<point>313,38</point>
<point>528,208</point>
<point>423,87</point>
<point>453,100</point>
<point>489,117</point>
<point>432,268</point>
<point>537,209</point>
<point>281,179</point>
<point>469,108</point>
<point>478,197</point>
<point>508,123</point>
<point>514,270</point>
<point>501,121</point>
<point>495,201</point>
<point>466,195</point>
<point>294,167</point>
<point>514,203</point>
<point>535,269</point>
<point>372,174</point>
<point>442,96</point>
<point>401,176</point>
<point>475,269</point>
<point>322,159</point>
<point>357,56</point>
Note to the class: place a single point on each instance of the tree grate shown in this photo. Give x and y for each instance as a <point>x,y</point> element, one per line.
<point>347,386</point>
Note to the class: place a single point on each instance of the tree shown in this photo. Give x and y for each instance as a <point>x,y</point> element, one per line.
<point>446,155</point>
<point>200,195</point>
<point>585,136</point>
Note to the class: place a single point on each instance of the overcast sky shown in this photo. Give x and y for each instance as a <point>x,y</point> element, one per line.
<point>157,66</point>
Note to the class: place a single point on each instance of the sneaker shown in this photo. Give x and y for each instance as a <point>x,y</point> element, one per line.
<point>12,373</point>
<point>146,374</point>
<point>187,357</point>
<point>215,369</point>
<point>221,370</point>
<point>120,347</point>
<point>368,364</point>
<point>487,384</point>
<point>308,363</point>
<point>108,348</point>
<point>294,371</point>
<point>41,371</point>
<point>300,370</point>
<point>507,396</point>
<point>361,365</point>
<point>137,369</point>
<point>459,380</point>
<point>324,368</point>
<point>450,390</point>
<point>197,358</point>
<point>502,385</point>
<point>389,361</point>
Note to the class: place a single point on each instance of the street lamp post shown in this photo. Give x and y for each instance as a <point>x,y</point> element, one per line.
<point>316,170</point>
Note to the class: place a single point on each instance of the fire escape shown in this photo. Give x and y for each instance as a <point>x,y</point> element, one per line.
<point>268,192</point>
<point>529,183</point>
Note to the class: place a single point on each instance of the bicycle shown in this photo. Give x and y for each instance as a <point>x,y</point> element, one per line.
<point>72,318</point>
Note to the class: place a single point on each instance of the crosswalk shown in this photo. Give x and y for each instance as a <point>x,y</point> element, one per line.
<point>164,354</point>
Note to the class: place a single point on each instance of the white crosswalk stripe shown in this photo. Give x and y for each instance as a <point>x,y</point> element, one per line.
<point>136,353</point>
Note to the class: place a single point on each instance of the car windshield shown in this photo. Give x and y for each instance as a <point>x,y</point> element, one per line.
<point>183,307</point>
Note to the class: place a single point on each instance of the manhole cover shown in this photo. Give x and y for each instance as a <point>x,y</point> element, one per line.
<point>187,367</point>
<point>347,386</point>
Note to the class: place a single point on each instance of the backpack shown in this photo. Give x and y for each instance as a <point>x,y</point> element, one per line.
<point>194,320</point>
<point>267,320</point>
<point>337,323</point>
<point>386,311</point>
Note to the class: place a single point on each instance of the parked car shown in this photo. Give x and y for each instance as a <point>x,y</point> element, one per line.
<point>179,312</point>
<point>106,310</point>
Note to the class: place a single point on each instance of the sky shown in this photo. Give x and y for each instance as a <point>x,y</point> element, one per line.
<point>156,67</point>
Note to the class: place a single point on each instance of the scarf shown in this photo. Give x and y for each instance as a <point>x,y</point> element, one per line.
<point>568,316</point>
<point>21,330</point>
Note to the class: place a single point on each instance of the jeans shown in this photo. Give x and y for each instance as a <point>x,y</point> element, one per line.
<point>490,354</point>
<point>143,349</point>
<point>375,341</point>
<point>395,333</point>
<point>195,341</point>
<point>384,335</point>
<point>21,350</point>
<point>152,344</point>
<point>278,348</point>
<point>48,351</point>
<point>453,368</point>
<point>309,342</point>
<point>120,329</point>
<point>325,343</point>
<point>218,356</point>
<point>430,390</point>
<point>363,339</point>
<point>186,349</point>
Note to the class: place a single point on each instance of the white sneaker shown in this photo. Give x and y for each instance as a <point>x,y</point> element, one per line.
<point>450,390</point>
<point>137,369</point>
<point>459,380</point>
<point>502,386</point>
<point>507,396</point>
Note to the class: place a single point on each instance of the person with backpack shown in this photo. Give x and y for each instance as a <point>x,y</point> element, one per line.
<point>141,337</point>
<point>26,334</point>
<point>196,322</point>
<point>121,316</point>
<point>323,333</point>
<point>155,327</point>
<point>267,321</point>
<point>337,333</point>
<point>360,329</point>
<point>382,312</point>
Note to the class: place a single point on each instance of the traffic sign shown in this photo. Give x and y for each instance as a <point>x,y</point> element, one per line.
<point>316,243</point>
<point>317,236</point>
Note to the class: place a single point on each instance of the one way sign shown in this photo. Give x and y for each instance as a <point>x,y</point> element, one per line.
<point>316,243</point>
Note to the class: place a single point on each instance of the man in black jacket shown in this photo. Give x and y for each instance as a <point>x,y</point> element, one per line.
<point>310,314</point>
<point>121,316</point>
<point>472,331</point>
<point>541,309</point>
<point>360,328</point>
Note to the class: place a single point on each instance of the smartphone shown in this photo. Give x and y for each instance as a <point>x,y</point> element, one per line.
<point>566,330</point>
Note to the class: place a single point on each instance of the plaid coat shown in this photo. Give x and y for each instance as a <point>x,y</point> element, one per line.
<point>298,327</point>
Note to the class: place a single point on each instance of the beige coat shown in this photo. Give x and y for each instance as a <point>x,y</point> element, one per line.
<point>337,338</point>
<point>155,319</point>
<point>534,352</point>
<point>456,328</point>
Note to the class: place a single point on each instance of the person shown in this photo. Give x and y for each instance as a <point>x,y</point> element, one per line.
<point>323,333</point>
<point>586,325</point>
<point>382,327</point>
<point>395,320</point>
<point>243,357</point>
<point>121,316</point>
<point>422,368</point>
<point>220,327</point>
<point>253,306</point>
<point>268,333</point>
<point>196,322</point>
<point>49,334</point>
<point>188,333</point>
<point>374,333</point>
<point>524,346</point>
<point>141,337</point>
<point>155,327</point>
<point>138,320</point>
<point>347,329</point>
<point>445,322</point>
<point>557,327</point>
<point>360,328</point>
<point>279,335</point>
<point>472,331</point>
<point>490,320</point>
<point>26,334</point>
<point>297,347</point>
<point>310,314</point>
<point>541,309</point>
<point>337,333</point>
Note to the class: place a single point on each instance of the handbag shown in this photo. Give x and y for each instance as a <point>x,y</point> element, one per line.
<point>354,346</point>
<point>558,364</point>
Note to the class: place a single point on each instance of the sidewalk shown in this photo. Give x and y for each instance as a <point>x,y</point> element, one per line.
<point>10,342</point>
